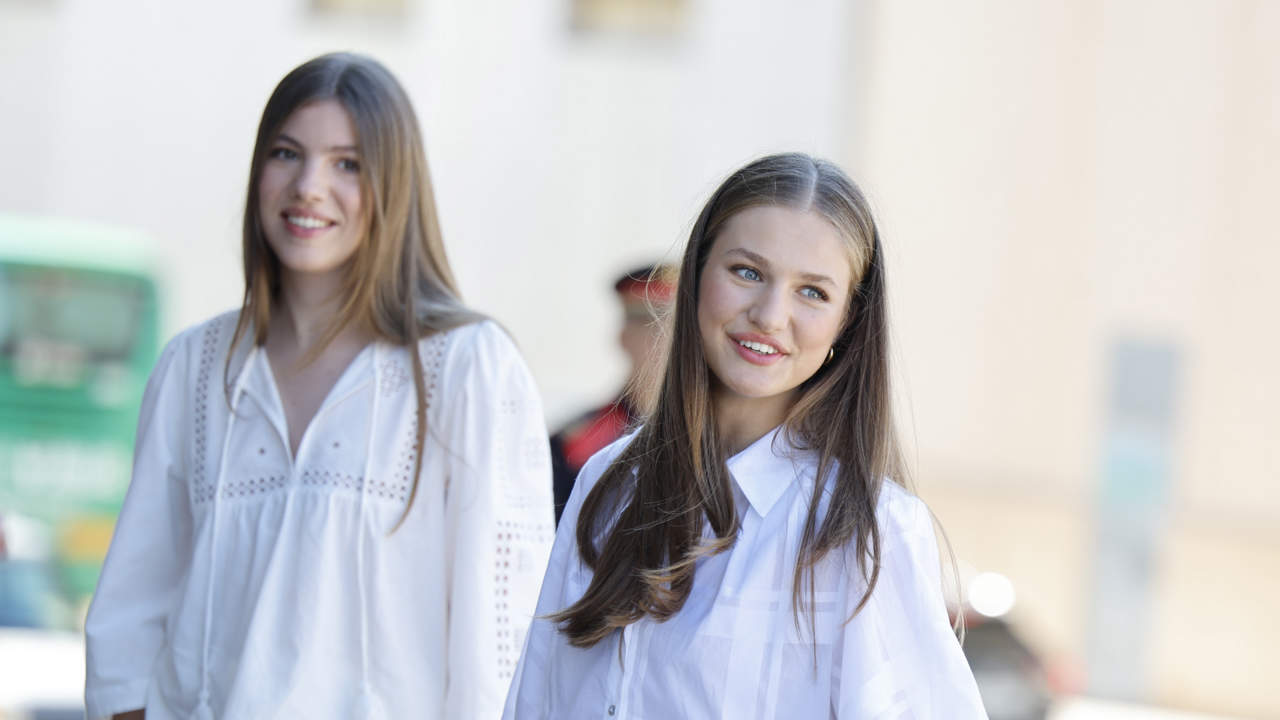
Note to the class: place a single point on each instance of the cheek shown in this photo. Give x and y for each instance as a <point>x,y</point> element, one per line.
<point>352,198</point>
<point>273,184</point>
<point>707,322</point>
<point>270,182</point>
<point>820,330</point>
<point>714,304</point>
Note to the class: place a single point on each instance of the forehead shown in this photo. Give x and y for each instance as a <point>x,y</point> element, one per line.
<point>789,239</point>
<point>322,122</point>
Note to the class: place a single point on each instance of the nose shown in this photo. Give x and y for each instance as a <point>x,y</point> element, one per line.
<point>309,182</point>
<point>770,309</point>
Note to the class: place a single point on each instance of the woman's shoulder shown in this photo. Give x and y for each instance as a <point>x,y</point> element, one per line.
<point>600,461</point>
<point>900,511</point>
<point>482,341</point>
<point>202,345</point>
<point>595,466</point>
<point>478,362</point>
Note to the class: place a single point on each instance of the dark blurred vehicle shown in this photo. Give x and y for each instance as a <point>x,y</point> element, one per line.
<point>1011,679</point>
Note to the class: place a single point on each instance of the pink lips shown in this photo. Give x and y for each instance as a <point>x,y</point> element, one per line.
<point>751,356</point>
<point>301,232</point>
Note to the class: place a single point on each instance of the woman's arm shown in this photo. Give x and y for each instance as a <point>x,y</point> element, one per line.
<point>498,513</point>
<point>899,657</point>
<point>150,549</point>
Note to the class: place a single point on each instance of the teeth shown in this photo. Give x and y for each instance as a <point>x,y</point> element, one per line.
<point>307,222</point>
<point>758,347</point>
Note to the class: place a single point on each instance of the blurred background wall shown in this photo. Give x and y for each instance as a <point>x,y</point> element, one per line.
<point>561,154</point>
<point>1061,181</point>
<point>1077,199</point>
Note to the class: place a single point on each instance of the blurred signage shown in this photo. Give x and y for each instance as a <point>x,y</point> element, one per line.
<point>1137,462</point>
<point>43,479</point>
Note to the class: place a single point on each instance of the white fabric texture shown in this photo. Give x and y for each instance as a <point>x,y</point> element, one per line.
<point>245,583</point>
<point>734,649</point>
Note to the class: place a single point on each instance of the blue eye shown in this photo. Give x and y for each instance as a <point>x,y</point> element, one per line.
<point>282,153</point>
<point>349,164</point>
<point>813,293</point>
<point>746,273</point>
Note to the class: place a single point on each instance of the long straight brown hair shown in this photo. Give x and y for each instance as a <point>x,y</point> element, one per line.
<point>671,482</point>
<point>398,283</point>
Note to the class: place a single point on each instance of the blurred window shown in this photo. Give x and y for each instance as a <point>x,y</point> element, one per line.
<point>92,315</point>
<point>630,16</point>
<point>387,8</point>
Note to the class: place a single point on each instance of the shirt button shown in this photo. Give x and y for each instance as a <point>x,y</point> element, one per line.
<point>612,709</point>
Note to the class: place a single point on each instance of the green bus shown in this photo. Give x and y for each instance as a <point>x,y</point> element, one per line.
<point>79,332</point>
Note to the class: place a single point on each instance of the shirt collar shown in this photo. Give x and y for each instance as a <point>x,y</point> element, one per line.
<point>765,469</point>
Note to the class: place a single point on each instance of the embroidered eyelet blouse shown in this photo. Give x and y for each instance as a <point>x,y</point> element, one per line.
<point>243,582</point>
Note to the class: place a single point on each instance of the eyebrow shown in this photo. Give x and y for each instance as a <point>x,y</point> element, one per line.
<point>284,137</point>
<point>760,260</point>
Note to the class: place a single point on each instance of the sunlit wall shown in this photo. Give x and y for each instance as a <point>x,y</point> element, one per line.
<point>1060,180</point>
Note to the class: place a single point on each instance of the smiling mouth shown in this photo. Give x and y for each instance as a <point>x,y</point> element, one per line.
<point>307,223</point>
<point>761,348</point>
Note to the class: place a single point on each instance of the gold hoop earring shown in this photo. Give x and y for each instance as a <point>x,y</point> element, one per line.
<point>831,354</point>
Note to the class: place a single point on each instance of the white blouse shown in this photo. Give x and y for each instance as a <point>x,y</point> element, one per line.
<point>246,583</point>
<point>734,649</point>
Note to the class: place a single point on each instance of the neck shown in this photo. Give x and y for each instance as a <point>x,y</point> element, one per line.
<point>308,305</point>
<point>741,421</point>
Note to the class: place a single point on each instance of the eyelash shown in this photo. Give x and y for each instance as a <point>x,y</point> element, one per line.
<point>285,153</point>
<point>820,294</point>
<point>742,271</point>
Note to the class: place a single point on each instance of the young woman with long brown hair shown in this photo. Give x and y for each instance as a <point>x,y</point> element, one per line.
<point>749,551</point>
<point>341,502</point>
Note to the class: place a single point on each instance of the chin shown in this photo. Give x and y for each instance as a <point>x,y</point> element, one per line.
<point>756,391</point>
<point>306,263</point>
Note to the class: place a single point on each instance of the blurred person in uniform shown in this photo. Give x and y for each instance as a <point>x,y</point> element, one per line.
<point>645,294</point>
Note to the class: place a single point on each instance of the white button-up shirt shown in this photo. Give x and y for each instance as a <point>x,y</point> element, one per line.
<point>243,582</point>
<point>734,650</point>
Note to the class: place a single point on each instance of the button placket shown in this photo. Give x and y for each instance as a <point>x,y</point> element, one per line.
<point>628,637</point>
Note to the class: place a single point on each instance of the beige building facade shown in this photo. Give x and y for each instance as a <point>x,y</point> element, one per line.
<point>1057,178</point>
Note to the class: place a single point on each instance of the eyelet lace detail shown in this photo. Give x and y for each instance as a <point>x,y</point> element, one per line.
<point>431,352</point>
<point>394,375</point>
<point>408,455</point>
<point>331,479</point>
<point>511,542</point>
<point>201,488</point>
<point>253,486</point>
<point>347,482</point>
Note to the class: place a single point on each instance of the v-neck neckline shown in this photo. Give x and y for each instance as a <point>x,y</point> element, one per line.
<point>342,386</point>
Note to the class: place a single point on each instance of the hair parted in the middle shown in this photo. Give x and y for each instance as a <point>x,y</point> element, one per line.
<point>671,482</point>
<point>398,283</point>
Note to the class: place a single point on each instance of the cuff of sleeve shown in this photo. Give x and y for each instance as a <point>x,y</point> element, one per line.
<point>105,701</point>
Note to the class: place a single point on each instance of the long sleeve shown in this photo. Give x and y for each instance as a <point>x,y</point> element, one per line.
<point>547,659</point>
<point>900,658</point>
<point>499,516</point>
<point>149,552</point>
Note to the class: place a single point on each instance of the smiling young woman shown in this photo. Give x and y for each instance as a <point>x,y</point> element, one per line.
<point>341,498</point>
<point>749,552</point>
